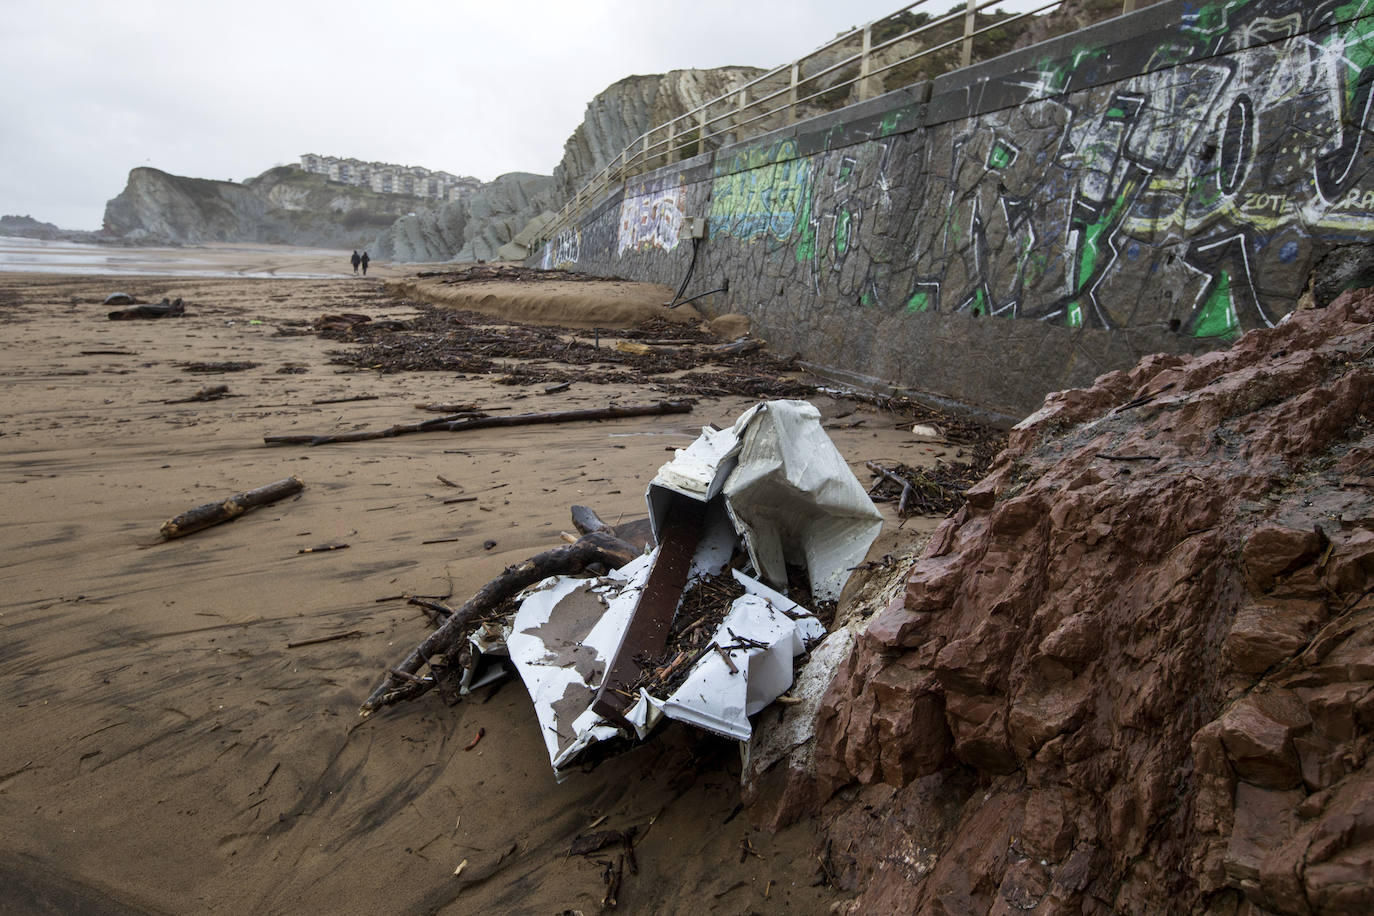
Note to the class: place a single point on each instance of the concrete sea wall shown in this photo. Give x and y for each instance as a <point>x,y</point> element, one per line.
<point>1160,182</point>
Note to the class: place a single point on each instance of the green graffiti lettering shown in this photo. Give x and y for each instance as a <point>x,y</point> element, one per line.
<point>1217,317</point>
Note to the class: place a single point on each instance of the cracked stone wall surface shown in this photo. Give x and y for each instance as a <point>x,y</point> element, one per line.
<point>1159,183</point>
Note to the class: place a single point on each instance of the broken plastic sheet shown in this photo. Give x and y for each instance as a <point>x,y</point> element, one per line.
<point>789,492</point>
<point>566,629</point>
<point>761,634</point>
<point>561,640</point>
<point>773,480</point>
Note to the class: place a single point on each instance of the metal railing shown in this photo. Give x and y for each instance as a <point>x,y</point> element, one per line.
<point>807,86</point>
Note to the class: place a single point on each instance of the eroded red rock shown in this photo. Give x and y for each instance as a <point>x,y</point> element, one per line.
<point>1135,673</point>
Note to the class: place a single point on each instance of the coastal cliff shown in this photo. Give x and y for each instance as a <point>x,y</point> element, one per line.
<point>470,228</point>
<point>627,108</point>
<point>283,205</point>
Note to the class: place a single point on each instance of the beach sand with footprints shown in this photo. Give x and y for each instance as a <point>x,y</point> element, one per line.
<point>181,732</point>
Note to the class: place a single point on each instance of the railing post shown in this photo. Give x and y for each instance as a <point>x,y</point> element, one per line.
<point>671,150</point>
<point>1127,6</point>
<point>742,104</point>
<point>966,56</point>
<point>792,94</point>
<point>865,64</point>
<point>701,129</point>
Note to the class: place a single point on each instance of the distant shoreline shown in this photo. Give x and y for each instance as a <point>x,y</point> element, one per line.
<point>57,257</point>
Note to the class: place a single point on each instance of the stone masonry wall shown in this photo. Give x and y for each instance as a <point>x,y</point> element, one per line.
<point>1158,183</point>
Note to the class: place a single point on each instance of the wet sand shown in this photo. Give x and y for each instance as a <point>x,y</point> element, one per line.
<point>165,749</point>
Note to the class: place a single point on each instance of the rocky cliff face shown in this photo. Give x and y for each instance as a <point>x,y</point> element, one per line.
<point>156,206</point>
<point>1135,673</point>
<point>471,228</point>
<point>628,108</point>
<point>283,205</point>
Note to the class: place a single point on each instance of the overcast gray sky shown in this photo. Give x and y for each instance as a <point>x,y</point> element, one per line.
<point>228,90</point>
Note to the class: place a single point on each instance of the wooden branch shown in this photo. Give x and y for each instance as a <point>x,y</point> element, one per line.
<point>461,423</point>
<point>400,682</point>
<point>585,520</point>
<point>193,520</point>
<point>399,429</point>
<point>883,472</point>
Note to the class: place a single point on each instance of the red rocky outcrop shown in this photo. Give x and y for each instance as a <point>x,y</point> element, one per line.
<point>1135,673</point>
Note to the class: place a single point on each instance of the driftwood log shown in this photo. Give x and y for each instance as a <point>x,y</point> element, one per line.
<point>200,517</point>
<point>165,309</point>
<point>401,681</point>
<point>457,424</point>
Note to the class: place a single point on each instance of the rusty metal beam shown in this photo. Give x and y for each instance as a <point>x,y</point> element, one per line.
<point>646,635</point>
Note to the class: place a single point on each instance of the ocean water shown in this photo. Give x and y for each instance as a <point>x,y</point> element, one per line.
<point>20,255</point>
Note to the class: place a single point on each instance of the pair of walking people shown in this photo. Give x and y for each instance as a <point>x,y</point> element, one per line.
<point>359,260</point>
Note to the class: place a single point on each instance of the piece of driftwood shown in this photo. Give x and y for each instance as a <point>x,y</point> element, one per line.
<point>460,423</point>
<point>735,348</point>
<point>637,533</point>
<point>885,474</point>
<point>401,683</point>
<point>351,634</point>
<point>447,408</point>
<point>399,429</point>
<point>165,309</point>
<point>193,520</point>
<point>207,393</point>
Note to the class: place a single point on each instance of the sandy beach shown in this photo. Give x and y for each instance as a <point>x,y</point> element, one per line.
<point>167,750</point>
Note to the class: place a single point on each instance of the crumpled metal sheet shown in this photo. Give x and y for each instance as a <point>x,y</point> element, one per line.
<point>787,494</point>
<point>793,498</point>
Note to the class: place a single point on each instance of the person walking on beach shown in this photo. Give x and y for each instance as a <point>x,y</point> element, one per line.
<point>356,261</point>
<point>363,260</point>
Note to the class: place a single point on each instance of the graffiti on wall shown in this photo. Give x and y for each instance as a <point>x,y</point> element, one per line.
<point>653,217</point>
<point>1208,181</point>
<point>761,192</point>
<point>851,207</point>
<point>563,250</point>
<point>1194,195</point>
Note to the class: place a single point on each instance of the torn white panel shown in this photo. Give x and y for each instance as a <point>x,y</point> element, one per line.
<point>560,641</point>
<point>700,469</point>
<point>761,642</point>
<point>793,498</point>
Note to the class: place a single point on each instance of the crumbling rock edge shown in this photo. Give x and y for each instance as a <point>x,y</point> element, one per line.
<point>1135,673</point>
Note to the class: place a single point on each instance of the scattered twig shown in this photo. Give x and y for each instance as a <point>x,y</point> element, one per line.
<point>323,548</point>
<point>614,877</point>
<point>276,766</point>
<point>451,408</point>
<point>351,634</point>
<point>357,397</point>
<point>462,424</point>
<point>460,499</point>
<point>440,541</point>
<point>475,738</point>
<point>725,654</point>
<point>208,393</point>
<point>448,483</point>
<point>888,475</point>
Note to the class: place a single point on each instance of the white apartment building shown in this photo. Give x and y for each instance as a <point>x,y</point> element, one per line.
<point>388,178</point>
